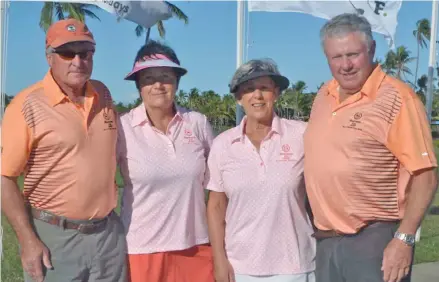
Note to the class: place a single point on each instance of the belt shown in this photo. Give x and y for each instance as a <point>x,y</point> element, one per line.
<point>85,228</point>
<point>324,234</point>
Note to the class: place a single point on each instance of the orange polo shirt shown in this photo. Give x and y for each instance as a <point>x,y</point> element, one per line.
<point>66,151</point>
<point>359,154</point>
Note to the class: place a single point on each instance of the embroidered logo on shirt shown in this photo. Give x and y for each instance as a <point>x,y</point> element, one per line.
<point>285,154</point>
<point>108,120</point>
<point>189,138</point>
<point>355,122</point>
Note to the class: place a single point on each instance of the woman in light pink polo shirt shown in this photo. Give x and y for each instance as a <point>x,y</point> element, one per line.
<point>258,225</point>
<point>162,153</point>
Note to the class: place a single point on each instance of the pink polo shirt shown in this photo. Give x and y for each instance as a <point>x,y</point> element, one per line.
<point>163,203</point>
<point>267,229</point>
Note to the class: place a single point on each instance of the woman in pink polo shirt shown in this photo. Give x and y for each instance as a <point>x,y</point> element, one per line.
<point>258,225</point>
<point>162,153</point>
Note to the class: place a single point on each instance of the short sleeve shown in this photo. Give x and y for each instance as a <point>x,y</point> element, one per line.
<point>207,143</point>
<point>16,140</point>
<point>121,144</point>
<point>409,137</point>
<point>215,182</point>
<point>207,136</point>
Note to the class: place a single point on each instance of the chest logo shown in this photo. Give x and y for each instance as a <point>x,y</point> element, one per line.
<point>355,122</point>
<point>108,121</point>
<point>189,138</point>
<point>285,154</point>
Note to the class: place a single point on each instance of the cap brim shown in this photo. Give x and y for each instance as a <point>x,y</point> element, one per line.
<point>281,81</point>
<point>62,41</point>
<point>155,64</point>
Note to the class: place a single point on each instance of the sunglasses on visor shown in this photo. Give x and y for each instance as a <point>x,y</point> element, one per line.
<point>70,55</point>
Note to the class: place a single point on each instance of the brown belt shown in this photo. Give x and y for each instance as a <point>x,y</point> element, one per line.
<point>324,234</point>
<point>85,228</point>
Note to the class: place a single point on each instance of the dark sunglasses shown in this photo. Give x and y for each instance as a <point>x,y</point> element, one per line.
<point>70,55</point>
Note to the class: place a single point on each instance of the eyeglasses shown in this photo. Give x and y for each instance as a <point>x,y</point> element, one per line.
<point>70,55</point>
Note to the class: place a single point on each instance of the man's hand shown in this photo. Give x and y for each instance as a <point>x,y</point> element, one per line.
<point>396,261</point>
<point>33,255</point>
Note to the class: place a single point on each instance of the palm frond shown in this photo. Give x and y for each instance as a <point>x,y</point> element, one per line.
<point>59,13</point>
<point>73,11</point>
<point>178,13</point>
<point>139,30</point>
<point>406,70</point>
<point>46,16</point>
<point>90,14</point>
<point>161,29</point>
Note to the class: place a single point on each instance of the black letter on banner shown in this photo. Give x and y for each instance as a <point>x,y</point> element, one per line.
<point>379,6</point>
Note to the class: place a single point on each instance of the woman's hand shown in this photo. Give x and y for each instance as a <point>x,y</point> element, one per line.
<point>223,271</point>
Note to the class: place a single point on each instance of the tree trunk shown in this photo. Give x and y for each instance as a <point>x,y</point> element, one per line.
<point>416,71</point>
<point>147,35</point>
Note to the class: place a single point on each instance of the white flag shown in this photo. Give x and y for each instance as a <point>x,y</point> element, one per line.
<point>144,13</point>
<point>382,15</point>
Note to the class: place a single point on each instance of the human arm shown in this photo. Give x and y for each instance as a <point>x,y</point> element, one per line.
<point>410,141</point>
<point>216,219</point>
<point>15,151</point>
<point>216,213</point>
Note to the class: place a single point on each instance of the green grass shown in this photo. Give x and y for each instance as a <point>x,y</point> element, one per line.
<point>427,249</point>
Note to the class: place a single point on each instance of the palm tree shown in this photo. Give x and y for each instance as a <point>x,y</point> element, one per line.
<point>298,89</point>
<point>422,85</point>
<point>179,14</point>
<point>422,34</point>
<point>396,63</point>
<point>62,10</point>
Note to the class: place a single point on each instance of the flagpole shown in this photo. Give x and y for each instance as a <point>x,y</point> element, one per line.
<point>2,102</point>
<point>432,59</point>
<point>239,50</point>
<point>2,26</point>
<point>431,64</point>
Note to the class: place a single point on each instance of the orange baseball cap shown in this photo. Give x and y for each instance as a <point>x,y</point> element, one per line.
<point>66,31</point>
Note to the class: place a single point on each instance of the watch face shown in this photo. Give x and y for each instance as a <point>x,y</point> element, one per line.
<point>408,239</point>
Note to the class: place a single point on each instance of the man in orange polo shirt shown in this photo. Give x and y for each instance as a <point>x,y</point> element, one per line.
<point>61,134</point>
<point>369,162</point>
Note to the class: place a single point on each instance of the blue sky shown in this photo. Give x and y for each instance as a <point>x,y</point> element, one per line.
<point>206,46</point>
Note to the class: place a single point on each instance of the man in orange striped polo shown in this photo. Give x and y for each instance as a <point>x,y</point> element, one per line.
<point>61,134</point>
<point>370,166</point>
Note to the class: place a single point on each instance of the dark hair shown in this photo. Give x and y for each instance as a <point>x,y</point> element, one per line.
<point>153,47</point>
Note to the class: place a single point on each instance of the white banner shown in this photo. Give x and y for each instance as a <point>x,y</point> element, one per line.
<point>145,13</point>
<point>382,15</point>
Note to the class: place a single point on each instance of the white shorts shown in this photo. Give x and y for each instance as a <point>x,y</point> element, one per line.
<point>306,277</point>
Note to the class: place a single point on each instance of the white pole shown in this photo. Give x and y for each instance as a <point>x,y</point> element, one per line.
<point>239,50</point>
<point>431,64</point>
<point>2,102</point>
<point>2,26</point>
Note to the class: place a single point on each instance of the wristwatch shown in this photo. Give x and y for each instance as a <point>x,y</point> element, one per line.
<point>408,239</point>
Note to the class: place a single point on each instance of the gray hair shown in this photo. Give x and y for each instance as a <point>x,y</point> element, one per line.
<point>50,50</point>
<point>344,24</point>
<point>252,66</point>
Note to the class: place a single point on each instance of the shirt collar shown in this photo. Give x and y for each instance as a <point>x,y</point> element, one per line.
<point>139,116</point>
<point>55,94</point>
<point>239,131</point>
<point>370,87</point>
